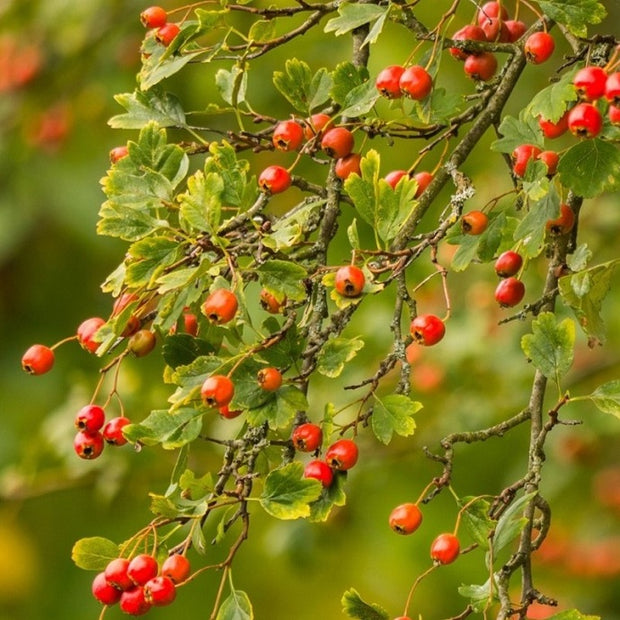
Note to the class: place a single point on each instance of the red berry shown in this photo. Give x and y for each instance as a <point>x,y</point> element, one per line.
<point>307,437</point>
<point>554,130</point>
<point>337,142</point>
<point>153,17</point>
<point>539,47</point>
<point>467,33</point>
<point>116,574</point>
<point>495,30</point>
<point>88,445</point>
<point>550,159</point>
<point>315,124</point>
<point>516,29</point>
<point>509,292</point>
<point>612,88</point>
<point>491,10</point>
<point>321,471</point>
<point>38,359</point>
<point>160,591</point>
<point>406,518</point>
<point>394,177</point>
<point>474,222</point>
<point>614,114</point>
<point>87,331</point>
<point>270,303</point>
<point>288,136</point>
<point>90,418</point>
<point>167,33</point>
<point>387,81</point>
<point>416,82</point>
<point>563,223</point>
<point>190,323</point>
<point>274,179</point>
<point>217,391</point>
<point>508,264</point>
<point>480,67</point>
<point>521,156</point>
<point>342,454</point>
<point>350,281</point>
<point>427,329</point>
<point>445,549</point>
<point>590,83</point>
<point>113,431</point>
<point>270,379</point>
<point>424,179</point>
<point>117,153</point>
<point>142,568</point>
<point>176,567</point>
<point>220,306</point>
<point>103,591</point>
<point>229,414</point>
<point>142,342</point>
<point>348,165</point>
<point>133,602</point>
<point>585,121</point>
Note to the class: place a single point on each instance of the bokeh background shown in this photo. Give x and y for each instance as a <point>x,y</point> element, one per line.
<point>61,63</point>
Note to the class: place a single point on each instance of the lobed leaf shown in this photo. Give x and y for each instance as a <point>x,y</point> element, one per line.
<point>355,607</point>
<point>394,414</point>
<point>94,553</point>
<point>162,108</point>
<point>515,132</point>
<point>283,278</point>
<point>336,353</point>
<point>353,15</point>
<point>576,15</point>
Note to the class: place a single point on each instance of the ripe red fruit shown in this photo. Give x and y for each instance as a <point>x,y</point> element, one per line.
<point>614,114</point>
<point>307,437</point>
<point>160,591</point>
<point>387,82</point>
<point>220,306</point>
<point>516,29</point>
<point>348,165</point>
<point>103,591</point>
<point>416,82</point>
<point>288,136</point>
<point>612,88</point>
<point>90,418</point>
<point>491,10</point>
<point>315,124</point>
<point>167,33</point>
<point>142,568</point>
<point>509,292</point>
<point>113,431</point>
<point>563,223</point>
<point>153,17</point>
<point>342,454</point>
<point>480,67</point>
<point>585,121</point>
<point>226,412</point>
<point>508,264</point>
<point>217,391</point>
<point>133,602</point>
<point>350,281</point>
<point>321,471</point>
<point>550,159</point>
<point>521,156</point>
<point>474,222</point>
<point>445,549</point>
<point>270,303</point>
<point>176,567</point>
<point>424,179</point>
<point>141,343</point>
<point>274,179</point>
<point>590,83</point>
<point>86,332</point>
<point>38,359</point>
<point>427,329</point>
<point>394,177</point>
<point>190,323</point>
<point>554,130</point>
<point>406,518</point>
<point>337,142</point>
<point>539,47</point>
<point>88,445</point>
<point>467,33</point>
<point>495,30</point>
<point>270,378</point>
<point>117,153</point>
<point>116,574</point>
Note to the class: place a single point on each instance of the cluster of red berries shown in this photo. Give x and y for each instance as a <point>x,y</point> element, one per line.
<point>396,81</point>
<point>139,584</point>
<point>157,18</point>
<point>94,432</point>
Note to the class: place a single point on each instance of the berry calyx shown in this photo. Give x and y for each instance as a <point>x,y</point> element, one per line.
<point>176,567</point>
<point>445,549</point>
<point>470,32</point>
<point>539,47</point>
<point>133,602</point>
<point>90,418</point>
<point>153,17</point>
<point>270,302</point>
<point>342,454</point>
<point>288,136</point>
<point>521,157</point>
<point>554,130</point>
<point>167,33</point>
<point>103,591</point>
<point>142,342</point>
<point>590,83</point>
<point>612,88</point>
<point>427,329</point>
<point>474,222</point>
<point>87,331</point>
<point>113,431</point>
<point>406,518</point>
<point>274,179</point>
<point>142,568</point>
<point>415,82</point>
<point>350,281</point>
<point>270,379</point>
<point>348,165</point>
<point>321,471</point>
<point>116,574</point>
<point>585,121</point>
<point>509,292</point>
<point>221,306</point>
<point>337,142</point>
<point>307,437</point>
<point>563,223</point>
<point>508,264</point>
<point>88,445</point>
<point>480,67</point>
<point>117,153</point>
<point>38,359</point>
<point>217,391</point>
<point>387,82</point>
<point>160,591</point>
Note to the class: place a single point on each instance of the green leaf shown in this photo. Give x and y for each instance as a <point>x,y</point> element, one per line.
<point>165,109</point>
<point>283,278</point>
<point>394,414</point>
<point>353,235</point>
<point>94,553</point>
<point>477,520</point>
<point>532,228</point>
<point>262,30</point>
<point>479,596</point>
<point>552,102</point>
<point>590,168</point>
<point>336,353</point>
<point>576,15</point>
<point>345,78</point>
<point>515,132</point>
<point>291,228</point>
<point>183,349</point>
<point>148,258</point>
<point>287,494</point>
<point>236,606</point>
<point>482,247</point>
<point>195,488</point>
<point>232,85</point>
<point>352,16</point>
<point>355,607</point>
<point>171,430</point>
<point>295,84</point>
<point>201,205</point>
<point>511,523</point>
<point>551,345</point>
<point>360,99</point>
<point>279,409</point>
<point>237,191</point>
<point>331,496</point>
<point>127,223</point>
<point>439,107</point>
<point>607,397</point>
<point>573,614</point>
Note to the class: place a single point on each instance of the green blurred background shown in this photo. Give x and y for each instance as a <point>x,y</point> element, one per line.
<point>61,62</point>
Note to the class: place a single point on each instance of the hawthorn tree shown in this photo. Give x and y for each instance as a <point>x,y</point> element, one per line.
<point>251,242</point>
